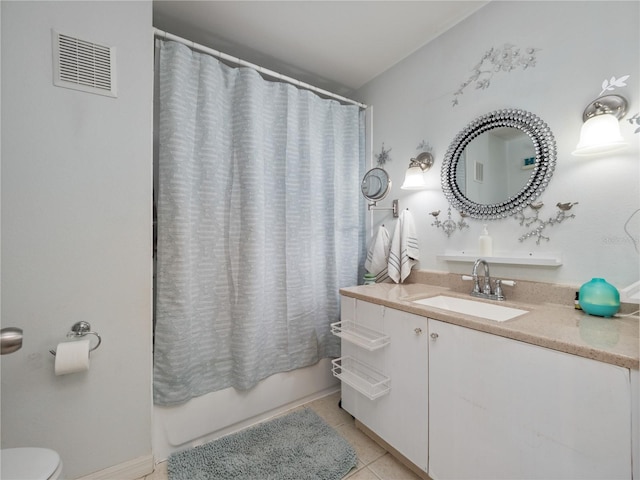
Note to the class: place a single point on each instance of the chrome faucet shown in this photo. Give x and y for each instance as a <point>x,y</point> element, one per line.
<point>486,291</point>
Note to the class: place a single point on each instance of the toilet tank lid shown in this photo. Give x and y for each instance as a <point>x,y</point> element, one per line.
<point>28,463</point>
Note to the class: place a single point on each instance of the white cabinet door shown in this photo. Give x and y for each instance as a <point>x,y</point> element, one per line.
<point>401,416</point>
<point>405,410</point>
<point>503,409</point>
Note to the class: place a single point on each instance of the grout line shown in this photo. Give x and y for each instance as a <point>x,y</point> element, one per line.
<point>375,474</point>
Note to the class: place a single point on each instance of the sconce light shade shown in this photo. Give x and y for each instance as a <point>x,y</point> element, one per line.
<point>600,132</point>
<point>413,179</point>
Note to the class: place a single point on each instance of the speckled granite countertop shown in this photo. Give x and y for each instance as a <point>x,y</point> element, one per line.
<point>559,327</point>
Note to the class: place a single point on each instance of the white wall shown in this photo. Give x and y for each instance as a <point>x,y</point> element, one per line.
<point>76,234</point>
<point>579,45</point>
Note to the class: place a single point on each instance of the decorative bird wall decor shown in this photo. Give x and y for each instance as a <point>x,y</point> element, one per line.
<point>449,225</point>
<point>540,225</point>
<point>566,206</point>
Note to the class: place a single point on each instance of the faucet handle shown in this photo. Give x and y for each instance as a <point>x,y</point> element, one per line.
<point>499,293</point>
<point>475,280</point>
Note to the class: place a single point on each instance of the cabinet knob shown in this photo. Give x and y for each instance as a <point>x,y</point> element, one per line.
<point>434,336</point>
<point>417,330</point>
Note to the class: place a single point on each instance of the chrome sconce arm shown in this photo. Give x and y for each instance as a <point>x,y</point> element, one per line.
<point>394,207</point>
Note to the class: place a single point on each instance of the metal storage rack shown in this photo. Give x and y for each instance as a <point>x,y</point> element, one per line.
<point>364,378</point>
<point>358,335</point>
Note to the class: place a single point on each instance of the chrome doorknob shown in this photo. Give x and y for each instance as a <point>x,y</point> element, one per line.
<point>11,340</point>
<point>434,336</point>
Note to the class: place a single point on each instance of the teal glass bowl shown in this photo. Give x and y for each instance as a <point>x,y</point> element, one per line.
<point>598,297</point>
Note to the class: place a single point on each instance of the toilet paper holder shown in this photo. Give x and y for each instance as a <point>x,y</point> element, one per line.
<point>80,329</point>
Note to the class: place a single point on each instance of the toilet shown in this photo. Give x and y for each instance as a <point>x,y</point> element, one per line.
<point>30,464</point>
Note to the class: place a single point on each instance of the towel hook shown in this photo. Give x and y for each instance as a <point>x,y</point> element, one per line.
<point>80,329</point>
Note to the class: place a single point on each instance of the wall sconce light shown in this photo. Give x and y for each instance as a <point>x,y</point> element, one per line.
<point>413,178</point>
<point>600,132</point>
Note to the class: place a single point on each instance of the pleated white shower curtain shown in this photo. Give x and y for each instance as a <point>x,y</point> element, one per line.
<point>260,222</point>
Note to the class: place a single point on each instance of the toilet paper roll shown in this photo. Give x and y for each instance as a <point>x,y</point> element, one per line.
<point>72,357</point>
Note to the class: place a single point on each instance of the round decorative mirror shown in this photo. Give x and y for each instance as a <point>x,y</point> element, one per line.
<point>498,164</point>
<point>375,184</point>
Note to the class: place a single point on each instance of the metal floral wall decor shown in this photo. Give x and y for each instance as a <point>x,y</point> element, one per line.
<point>613,83</point>
<point>424,146</point>
<point>449,225</point>
<point>610,84</point>
<point>562,215</point>
<point>635,119</point>
<point>496,60</point>
<point>383,157</point>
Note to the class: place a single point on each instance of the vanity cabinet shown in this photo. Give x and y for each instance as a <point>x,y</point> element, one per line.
<point>503,409</point>
<point>463,404</point>
<point>399,416</point>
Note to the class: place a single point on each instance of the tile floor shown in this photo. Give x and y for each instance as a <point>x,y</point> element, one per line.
<point>374,463</point>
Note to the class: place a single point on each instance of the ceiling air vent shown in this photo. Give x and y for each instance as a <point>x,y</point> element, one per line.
<point>83,65</point>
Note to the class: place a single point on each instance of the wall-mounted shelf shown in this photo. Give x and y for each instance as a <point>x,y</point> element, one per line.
<point>551,260</point>
<point>358,335</point>
<point>364,378</point>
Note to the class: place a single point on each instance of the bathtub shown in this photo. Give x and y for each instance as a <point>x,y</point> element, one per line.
<point>216,414</point>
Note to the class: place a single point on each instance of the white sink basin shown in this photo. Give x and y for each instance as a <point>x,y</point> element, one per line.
<point>489,311</point>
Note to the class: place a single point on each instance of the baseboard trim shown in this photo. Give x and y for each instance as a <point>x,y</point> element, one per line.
<point>131,470</point>
<point>401,458</point>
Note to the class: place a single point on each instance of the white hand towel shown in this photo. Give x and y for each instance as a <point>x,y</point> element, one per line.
<point>378,254</point>
<point>404,252</point>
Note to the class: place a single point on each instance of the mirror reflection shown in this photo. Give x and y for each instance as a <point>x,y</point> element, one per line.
<point>496,165</point>
<point>375,184</point>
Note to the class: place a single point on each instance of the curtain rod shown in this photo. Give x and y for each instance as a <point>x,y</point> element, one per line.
<point>196,46</point>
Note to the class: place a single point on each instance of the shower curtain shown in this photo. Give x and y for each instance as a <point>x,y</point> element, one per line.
<point>260,222</point>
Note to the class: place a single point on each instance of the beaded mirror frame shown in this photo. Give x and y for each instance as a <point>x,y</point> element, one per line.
<point>545,161</point>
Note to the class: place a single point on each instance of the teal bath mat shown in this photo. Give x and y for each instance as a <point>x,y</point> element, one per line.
<point>297,446</point>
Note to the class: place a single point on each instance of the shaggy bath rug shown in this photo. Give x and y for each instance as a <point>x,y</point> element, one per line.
<point>297,446</point>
